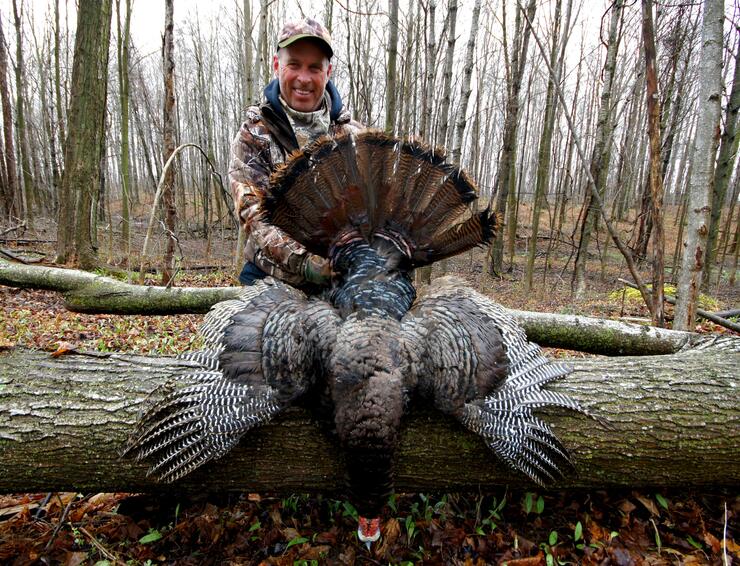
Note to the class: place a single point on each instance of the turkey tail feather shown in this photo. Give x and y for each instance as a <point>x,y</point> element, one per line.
<point>374,185</point>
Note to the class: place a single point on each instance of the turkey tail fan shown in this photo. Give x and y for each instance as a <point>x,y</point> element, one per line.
<point>381,188</point>
<point>256,362</point>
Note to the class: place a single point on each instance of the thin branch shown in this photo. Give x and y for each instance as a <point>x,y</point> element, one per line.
<point>158,195</point>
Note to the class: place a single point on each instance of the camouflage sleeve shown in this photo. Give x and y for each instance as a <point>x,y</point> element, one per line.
<point>271,249</point>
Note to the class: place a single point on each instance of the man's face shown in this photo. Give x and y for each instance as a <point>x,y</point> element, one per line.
<point>303,70</point>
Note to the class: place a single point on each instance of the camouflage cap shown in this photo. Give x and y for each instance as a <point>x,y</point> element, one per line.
<point>305,28</point>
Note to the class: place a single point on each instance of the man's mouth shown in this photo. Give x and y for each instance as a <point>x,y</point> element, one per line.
<point>301,92</point>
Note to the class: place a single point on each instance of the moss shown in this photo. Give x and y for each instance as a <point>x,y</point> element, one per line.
<point>633,296</point>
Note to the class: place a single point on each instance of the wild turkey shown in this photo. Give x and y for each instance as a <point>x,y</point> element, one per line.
<point>377,207</point>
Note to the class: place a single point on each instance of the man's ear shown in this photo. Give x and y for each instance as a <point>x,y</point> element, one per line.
<point>275,63</point>
<point>328,71</point>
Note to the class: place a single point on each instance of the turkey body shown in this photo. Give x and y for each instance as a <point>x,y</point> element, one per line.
<point>377,207</point>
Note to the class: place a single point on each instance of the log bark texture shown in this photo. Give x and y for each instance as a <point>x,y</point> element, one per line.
<point>673,421</point>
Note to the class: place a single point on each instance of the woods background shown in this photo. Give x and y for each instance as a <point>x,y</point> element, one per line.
<point>559,109</point>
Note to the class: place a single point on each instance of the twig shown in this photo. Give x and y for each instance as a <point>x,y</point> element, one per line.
<point>725,558</point>
<point>11,256</point>
<point>13,228</point>
<point>46,499</point>
<point>700,312</point>
<point>60,523</point>
<point>97,544</point>
<point>160,188</point>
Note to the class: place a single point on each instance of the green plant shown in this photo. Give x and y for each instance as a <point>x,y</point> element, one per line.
<point>411,531</point>
<point>152,536</point>
<point>296,540</point>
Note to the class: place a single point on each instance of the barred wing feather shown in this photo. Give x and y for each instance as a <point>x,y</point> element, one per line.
<point>258,359</point>
<point>477,365</point>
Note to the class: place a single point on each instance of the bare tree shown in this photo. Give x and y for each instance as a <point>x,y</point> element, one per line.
<point>427,98</point>
<point>656,178</point>
<point>20,103</point>
<point>390,85</point>
<point>725,161</point>
<point>601,150</point>
<point>86,134</point>
<point>710,94</point>
<point>505,174</point>
<point>10,193</point>
<point>444,120</point>
<point>123,52</point>
<point>548,124</point>
<point>168,148</point>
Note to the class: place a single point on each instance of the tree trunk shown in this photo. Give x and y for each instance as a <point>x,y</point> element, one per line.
<point>506,169</point>
<point>462,110</point>
<point>61,103</point>
<point>247,70</point>
<point>64,421</point>
<point>545,148</point>
<point>87,292</point>
<point>390,87</point>
<point>123,91</point>
<point>444,119</point>
<point>601,152</point>
<point>168,148</point>
<point>86,133</point>
<point>20,103</point>
<point>426,113</point>
<point>710,95</point>
<point>656,178</point>
<point>725,161</point>
<point>10,193</point>
<point>423,275</point>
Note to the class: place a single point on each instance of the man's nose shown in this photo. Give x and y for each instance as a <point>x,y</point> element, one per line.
<point>304,76</point>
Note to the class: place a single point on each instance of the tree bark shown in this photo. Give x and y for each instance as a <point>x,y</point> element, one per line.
<point>85,133</point>
<point>64,421</point>
<point>168,145</point>
<point>465,90</point>
<point>710,94</point>
<point>601,152</point>
<point>655,176</point>
<point>444,118</point>
<point>86,292</point>
<point>24,150</point>
<point>506,170</point>
<point>10,192</point>
<point>390,88</point>
<point>723,169</point>
<point>123,93</point>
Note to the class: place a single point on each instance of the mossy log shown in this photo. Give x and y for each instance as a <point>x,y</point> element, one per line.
<point>673,421</point>
<point>91,293</point>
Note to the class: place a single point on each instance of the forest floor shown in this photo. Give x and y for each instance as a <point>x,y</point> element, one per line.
<point>514,527</point>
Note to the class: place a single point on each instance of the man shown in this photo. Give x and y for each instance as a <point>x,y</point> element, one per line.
<point>299,106</point>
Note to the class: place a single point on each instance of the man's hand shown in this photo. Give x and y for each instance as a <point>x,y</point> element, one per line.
<point>317,269</point>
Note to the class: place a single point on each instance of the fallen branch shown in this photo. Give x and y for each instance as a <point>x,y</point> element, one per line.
<point>714,317</point>
<point>90,293</point>
<point>87,292</point>
<point>673,423</point>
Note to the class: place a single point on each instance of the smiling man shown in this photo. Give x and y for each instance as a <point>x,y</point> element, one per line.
<point>300,105</point>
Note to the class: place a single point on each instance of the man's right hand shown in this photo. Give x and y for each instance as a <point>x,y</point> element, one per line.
<point>317,269</point>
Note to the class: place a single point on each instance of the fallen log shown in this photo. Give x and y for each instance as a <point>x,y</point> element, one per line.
<point>673,422</point>
<point>91,293</point>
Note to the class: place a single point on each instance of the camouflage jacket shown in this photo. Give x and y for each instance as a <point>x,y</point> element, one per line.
<point>264,140</point>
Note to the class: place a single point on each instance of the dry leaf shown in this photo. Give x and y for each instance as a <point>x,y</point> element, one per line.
<point>64,348</point>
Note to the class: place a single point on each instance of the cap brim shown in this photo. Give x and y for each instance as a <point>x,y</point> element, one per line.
<point>295,38</point>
